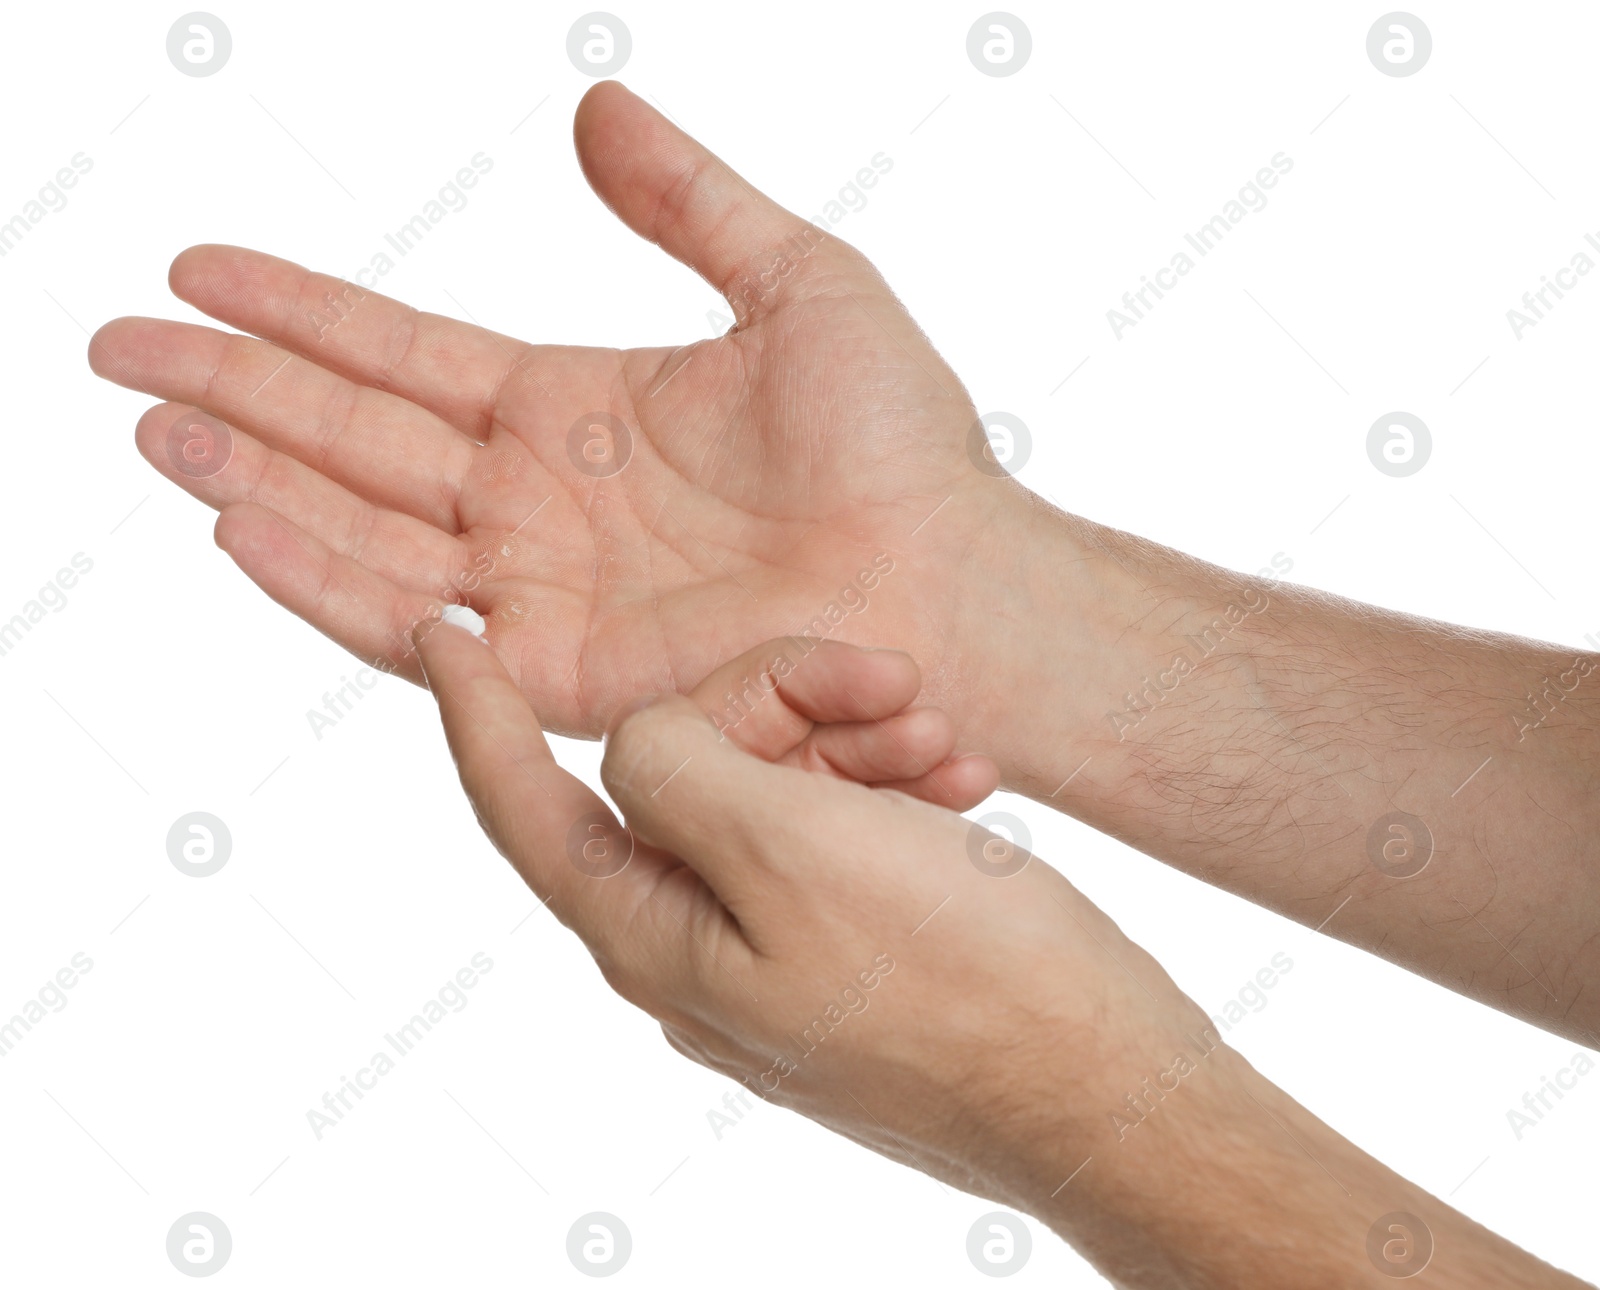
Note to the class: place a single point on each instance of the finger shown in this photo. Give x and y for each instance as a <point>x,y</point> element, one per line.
<point>364,612</point>
<point>379,445</point>
<point>910,752</point>
<point>957,785</point>
<point>834,681</point>
<point>556,831</point>
<point>668,188</point>
<point>453,369</point>
<point>904,746</point>
<point>407,551</point>
<point>683,788</point>
<point>767,699</point>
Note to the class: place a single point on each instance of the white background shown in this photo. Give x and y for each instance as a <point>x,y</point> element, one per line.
<point>219,1010</point>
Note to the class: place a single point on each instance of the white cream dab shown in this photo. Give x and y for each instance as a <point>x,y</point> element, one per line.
<point>464,616</point>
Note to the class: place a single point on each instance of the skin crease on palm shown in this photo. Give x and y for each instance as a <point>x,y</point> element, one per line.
<point>398,451</point>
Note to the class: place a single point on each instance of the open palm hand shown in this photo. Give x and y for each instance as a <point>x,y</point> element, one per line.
<point>625,521</point>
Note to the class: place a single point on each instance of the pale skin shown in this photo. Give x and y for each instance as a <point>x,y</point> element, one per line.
<point>1006,1021</point>
<point>398,457</point>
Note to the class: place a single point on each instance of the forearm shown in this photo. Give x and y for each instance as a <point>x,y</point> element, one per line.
<point>1224,1181</point>
<point>1275,741</point>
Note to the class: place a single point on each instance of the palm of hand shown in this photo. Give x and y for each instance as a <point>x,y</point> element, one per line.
<point>765,482</point>
<point>769,484</point>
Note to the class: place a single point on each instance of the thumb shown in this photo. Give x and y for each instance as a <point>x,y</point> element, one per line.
<point>668,188</point>
<point>685,789</point>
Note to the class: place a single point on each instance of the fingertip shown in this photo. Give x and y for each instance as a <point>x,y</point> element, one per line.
<point>150,432</point>
<point>233,525</point>
<point>638,704</point>
<point>927,734</point>
<point>600,125</point>
<point>597,98</point>
<point>972,778</point>
<point>957,785</point>
<point>183,266</point>
<point>834,681</point>
<point>103,335</point>
<point>895,669</point>
<point>250,533</point>
<point>649,743</point>
<point>195,265</point>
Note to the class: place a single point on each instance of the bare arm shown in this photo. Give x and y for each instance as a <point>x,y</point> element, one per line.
<point>843,952</point>
<point>1423,791</point>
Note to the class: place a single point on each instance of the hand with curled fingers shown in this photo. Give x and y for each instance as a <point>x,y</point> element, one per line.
<point>835,941</point>
<point>794,903</point>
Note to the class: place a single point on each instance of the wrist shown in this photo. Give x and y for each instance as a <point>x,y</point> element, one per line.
<point>1050,631</point>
